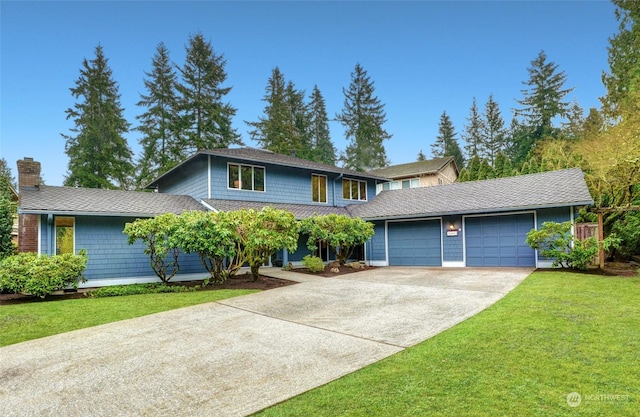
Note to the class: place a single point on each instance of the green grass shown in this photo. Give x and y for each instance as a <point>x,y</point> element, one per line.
<point>21,322</point>
<point>554,334</point>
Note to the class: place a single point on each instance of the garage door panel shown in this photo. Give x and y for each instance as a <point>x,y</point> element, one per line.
<point>415,243</point>
<point>499,240</point>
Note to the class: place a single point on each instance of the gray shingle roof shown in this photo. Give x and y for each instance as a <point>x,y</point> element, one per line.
<point>300,211</point>
<point>91,201</point>
<point>548,189</point>
<point>261,156</point>
<point>430,166</point>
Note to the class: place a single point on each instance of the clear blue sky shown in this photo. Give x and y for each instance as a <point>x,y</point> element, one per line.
<point>424,58</point>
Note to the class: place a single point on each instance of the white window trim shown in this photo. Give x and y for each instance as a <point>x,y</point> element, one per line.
<point>366,190</point>
<point>240,165</point>
<point>326,189</point>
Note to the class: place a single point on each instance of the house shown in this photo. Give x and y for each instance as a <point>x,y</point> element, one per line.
<point>481,223</point>
<point>426,173</point>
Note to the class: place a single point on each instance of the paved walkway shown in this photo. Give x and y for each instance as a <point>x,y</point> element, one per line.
<point>240,355</point>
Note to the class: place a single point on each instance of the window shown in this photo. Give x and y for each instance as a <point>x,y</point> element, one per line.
<point>354,189</point>
<point>318,188</point>
<point>246,177</point>
<point>396,185</point>
<point>65,239</point>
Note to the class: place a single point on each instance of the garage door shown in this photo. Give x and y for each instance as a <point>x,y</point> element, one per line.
<point>415,243</point>
<point>499,240</point>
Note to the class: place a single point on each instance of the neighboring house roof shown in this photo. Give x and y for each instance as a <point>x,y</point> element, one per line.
<point>413,169</point>
<point>300,211</point>
<point>547,189</point>
<point>91,201</point>
<point>261,156</point>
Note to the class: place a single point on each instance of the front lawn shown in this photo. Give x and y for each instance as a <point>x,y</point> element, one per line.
<point>21,322</point>
<point>557,333</point>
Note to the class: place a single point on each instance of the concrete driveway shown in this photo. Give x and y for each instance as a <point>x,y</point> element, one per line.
<point>238,356</point>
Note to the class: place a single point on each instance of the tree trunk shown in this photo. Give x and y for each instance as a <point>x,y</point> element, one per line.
<point>255,272</point>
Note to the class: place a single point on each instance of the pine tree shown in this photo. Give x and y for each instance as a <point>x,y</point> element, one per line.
<point>323,149</point>
<point>473,169</point>
<point>624,62</point>
<point>574,126</point>
<point>421,156</point>
<point>205,120</point>
<point>284,128</point>
<point>99,156</point>
<point>493,131</point>
<point>473,132</point>
<point>6,179</point>
<point>593,123</point>
<point>542,102</point>
<point>446,143</point>
<point>502,166</point>
<point>161,149</point>
<point>363,117</point>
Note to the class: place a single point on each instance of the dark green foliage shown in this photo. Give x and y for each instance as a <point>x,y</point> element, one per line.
<point>341,233</point>
<point>99,156</point>
<point>205,121</point>
<point>285,126</point>
<point>493,131</point>
<point>161,148</point>
<point>135,289</point>
<point>446,143</point>
<point>323,149</point>
<point>7,212</point>
<point>542,102</point>
<point>421,156</point>
<point>313,263</point>
<point>624,60</point>
<point>628,229</point>
<point>363,117</point>
<point>473,132</point>
<point>41,275</point>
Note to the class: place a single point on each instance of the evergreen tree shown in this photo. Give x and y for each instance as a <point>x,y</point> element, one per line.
<point>473,132</point>
<point>300,141</point>
<point>7,212</point>
<point>485,172</point>
<point>99,156</point>
<point>542,102</point>
<point>6,179</point>
<point>205,119</point>
<point>323,149</point>
<point>446,143</point>
<point>574,126</point>
<point>593,123</point>
<point>421,156</point>
<point>624,61</point>
<point>502,166</point>
<point>473,169</point>
<point>493,131</point>
<point>363,117</point>
<point>161,148</point>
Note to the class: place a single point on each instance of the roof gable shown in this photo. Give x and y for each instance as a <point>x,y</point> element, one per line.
<point>431,166</point>
<point>547,189</point>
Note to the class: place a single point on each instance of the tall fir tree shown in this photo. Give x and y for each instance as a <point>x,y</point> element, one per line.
<point>421,156</point>
<point>206,121</point>
<point>99,156</point>
<point>624,62</point>
<point>161,148</point>
<point>574,126</point>
<point>363,118</point>
<point>284,127</point>
<point>323,149</point>
<point>493,131</point>
<point>446,143</point>
<point>473,132</point>
<point>542,102</point>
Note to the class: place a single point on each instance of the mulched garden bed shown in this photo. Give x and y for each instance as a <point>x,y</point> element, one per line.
<point>330,271</point>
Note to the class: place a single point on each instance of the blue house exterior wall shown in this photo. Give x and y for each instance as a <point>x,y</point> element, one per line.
<point>376,246</point>
<point>190,180</point>
<point>556,214</point>
<point>452,246</point>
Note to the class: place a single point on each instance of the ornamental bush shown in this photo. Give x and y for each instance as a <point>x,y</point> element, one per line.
<point>341,233</point>
<point>314,263</point>
<point>41,275</point>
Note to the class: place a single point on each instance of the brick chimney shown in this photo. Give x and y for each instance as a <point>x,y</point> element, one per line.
<point>28,178</point>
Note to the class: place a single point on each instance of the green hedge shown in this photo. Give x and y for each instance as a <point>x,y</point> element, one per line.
<point>41,275</point>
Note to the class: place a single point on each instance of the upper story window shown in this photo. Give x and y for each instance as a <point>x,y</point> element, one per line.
<point>65,236</point>
<point>354,189</point>
<point>246,177</point>
<point>318,188</point>
<point>396,185</point>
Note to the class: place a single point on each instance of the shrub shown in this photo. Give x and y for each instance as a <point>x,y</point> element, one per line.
<point>629,231</point>
<point>341,233</point>
<point>134,289</point>
<point>314,263</point>
<point>41,275</point>
<point>555,241</point>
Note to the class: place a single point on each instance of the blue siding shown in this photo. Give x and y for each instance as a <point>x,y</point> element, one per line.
<point>452,246</point>
<point>109,254</point>
<point>499,240</point>
<point>376,247</point>
<point>301,251</point>
<point>557,214</point>
<point>415,243</point>
<point>191,179</point>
